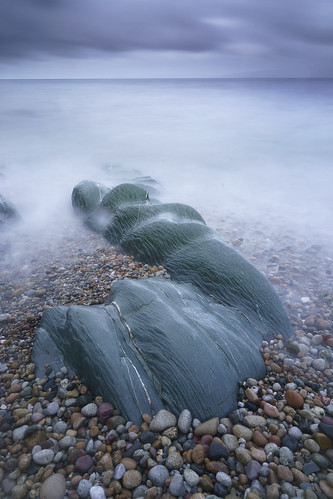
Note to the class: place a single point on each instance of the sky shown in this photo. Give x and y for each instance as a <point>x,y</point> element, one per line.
<point>166,38</point>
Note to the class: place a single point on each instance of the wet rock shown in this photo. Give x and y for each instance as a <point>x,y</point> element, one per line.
<point>163,419</point>
<point>54,487</point>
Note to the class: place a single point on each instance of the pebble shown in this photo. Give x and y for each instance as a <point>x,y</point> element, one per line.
<point>177,486</point>
<point>191,477</point>
<point>184,421</point>
<point>60,416</point>
<point>207,428</point>
<point>84,487</point>
<point>224,479</point>
<point>89,410</point>
<point>158,475</point>
<point>54,487</point>
<point>97,492</point>
<point>52,409</point>
<point>163,420</point>
<point>131,479</point>
<point>43,457</point>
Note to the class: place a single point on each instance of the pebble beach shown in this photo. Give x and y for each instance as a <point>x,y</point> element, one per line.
<point>60,440</point>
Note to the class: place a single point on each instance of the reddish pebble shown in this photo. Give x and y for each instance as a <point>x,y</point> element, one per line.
<point>84,463</point>
<point>294,399</point>
<point>104,412</point>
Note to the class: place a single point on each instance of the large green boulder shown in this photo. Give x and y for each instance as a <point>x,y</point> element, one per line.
<point>154,344</point>
<point>121,196</point>
<point>87,196</point>
<point>176,236</point>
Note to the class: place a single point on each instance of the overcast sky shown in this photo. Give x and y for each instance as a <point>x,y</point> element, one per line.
<point>165,38</point>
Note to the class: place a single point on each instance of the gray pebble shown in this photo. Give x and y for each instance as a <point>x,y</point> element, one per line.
<point>19,433</point>
<point>191,477</point>
<point>43,457</point>
<point>224,479</point>
<point>84,488</point>
<point>177,485</point>
<point>286,456</point>
<point>52,409</point>
<point>163,420</point>
<point>97,492</point>
<point>158,474</point>
<point>139,492</point>
<point>60,427</point>
<point>89,410</point>
<point>319,364</point>
<point>67,442</point>
<point>295,432</point>
<point>184,421</point>
<point>119,471</point>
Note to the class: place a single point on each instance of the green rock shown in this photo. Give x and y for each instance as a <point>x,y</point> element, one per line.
<point>87,196</point>
<point>154,344</point>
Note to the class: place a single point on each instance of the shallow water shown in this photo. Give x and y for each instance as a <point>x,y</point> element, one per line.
<point>260,149</point>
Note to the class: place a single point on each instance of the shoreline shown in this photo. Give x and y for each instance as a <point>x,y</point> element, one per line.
<point>301,274</point>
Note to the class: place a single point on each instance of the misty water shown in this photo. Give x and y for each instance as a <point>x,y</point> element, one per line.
<point>257,150</point>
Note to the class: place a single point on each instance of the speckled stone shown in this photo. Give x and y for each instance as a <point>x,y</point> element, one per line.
<point>132,479</point>
<point>89,410</point>
<point>184,421</point>
<point>254,421</point>
<point>83,488</point>
<point>191,477</point>
<point>174,461</point>
<point>97,492</point>
<point>163,420</point>
<point>52,409</point>
<point>158,474</point>
<point>224,479</point>
<point>241,431</point>
<point>54,487</point>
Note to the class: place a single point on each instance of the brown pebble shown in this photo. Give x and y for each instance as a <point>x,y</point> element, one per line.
<point>322,440</point>
<point>299,476</point>
<point>94,431</point>
<point>252,396</point>
<point>131,479</point>
<point>271,411</point>
<point>198,454</point>
<point>284,473</point>
<point>216,466</point>
<point>10,399</point>
<point>294,399</point>
<point>129,463</point>
<point>146,418</point>
<point>206,483</point>
<point>258,455</point>
<point>259,438</point>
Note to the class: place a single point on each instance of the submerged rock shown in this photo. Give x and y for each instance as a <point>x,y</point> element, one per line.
<point>8,212</point>
<point>154,344</point>
<point>87,195</point>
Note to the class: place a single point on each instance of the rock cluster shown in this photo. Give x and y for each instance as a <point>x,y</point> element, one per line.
<point>58,439</point>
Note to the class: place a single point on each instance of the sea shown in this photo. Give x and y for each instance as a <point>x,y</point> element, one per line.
<point>254,149</point>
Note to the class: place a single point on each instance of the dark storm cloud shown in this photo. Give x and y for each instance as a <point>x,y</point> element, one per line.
<point>73,28</point>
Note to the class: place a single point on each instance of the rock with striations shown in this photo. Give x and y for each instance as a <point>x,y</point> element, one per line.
<point>163,344</point>
<point>166,344</point>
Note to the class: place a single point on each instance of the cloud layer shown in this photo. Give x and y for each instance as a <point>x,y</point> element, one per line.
<point>285,33</point>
